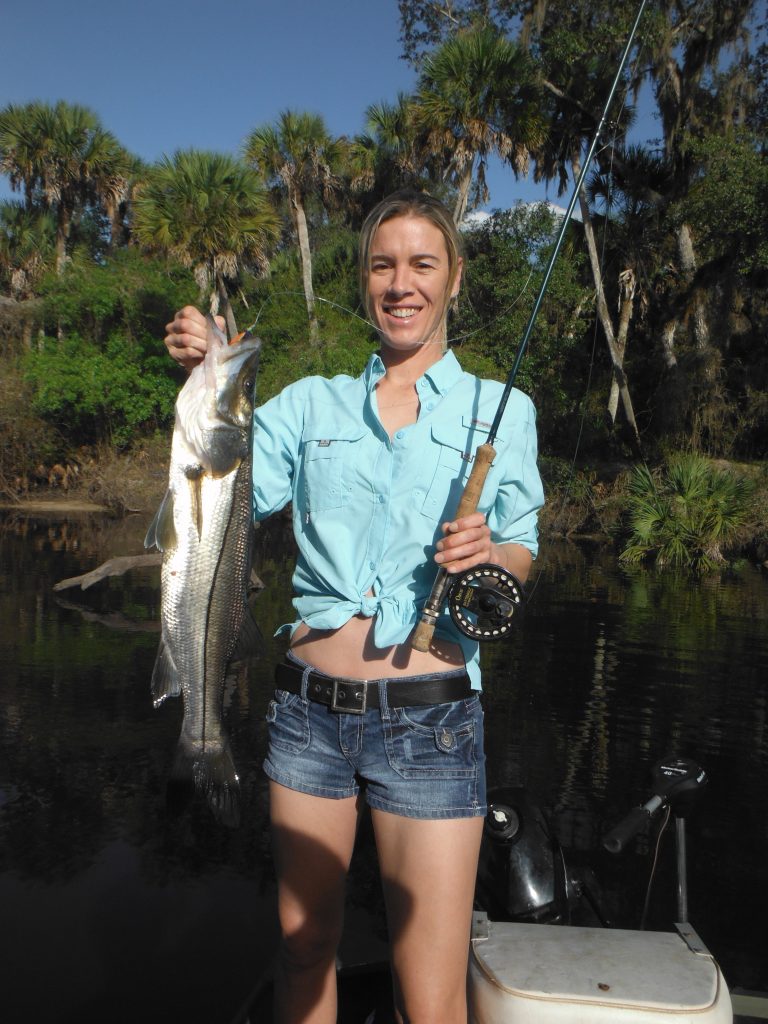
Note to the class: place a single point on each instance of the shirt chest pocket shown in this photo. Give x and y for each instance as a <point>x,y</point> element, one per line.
<point>327,466</point>
<point>451,458</point>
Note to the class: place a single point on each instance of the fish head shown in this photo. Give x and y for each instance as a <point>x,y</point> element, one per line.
<point>214,409</point>
<point>236,380</point>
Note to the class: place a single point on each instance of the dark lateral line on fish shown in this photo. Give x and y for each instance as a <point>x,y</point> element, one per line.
<point>214,581</point>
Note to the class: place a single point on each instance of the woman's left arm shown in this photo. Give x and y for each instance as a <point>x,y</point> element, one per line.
<point>509,537</point>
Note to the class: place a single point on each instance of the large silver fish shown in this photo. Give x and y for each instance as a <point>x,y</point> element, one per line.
<point>204,529</point>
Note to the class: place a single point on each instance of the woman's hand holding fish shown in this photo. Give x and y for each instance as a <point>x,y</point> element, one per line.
<point>186,337</point>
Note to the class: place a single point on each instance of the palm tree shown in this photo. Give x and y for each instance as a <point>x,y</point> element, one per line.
<point>27,240</point>
<point>26,247</point>
<point>302,161</point>
<point>64,160</point>
<point>630,193</point>
<point>477,96</point>
<point>213,214</point>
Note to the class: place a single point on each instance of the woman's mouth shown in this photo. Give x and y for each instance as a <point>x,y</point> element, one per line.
<point>401,312</point>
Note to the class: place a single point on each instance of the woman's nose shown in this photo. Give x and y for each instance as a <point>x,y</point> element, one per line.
<point>400,281</point>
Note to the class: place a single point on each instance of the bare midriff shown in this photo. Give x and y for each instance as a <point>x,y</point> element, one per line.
<point>350,652</point>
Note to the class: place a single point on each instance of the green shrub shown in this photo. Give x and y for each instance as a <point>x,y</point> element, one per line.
<point>685,515</point>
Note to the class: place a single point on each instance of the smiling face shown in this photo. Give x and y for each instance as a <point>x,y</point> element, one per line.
<point>410,282</point>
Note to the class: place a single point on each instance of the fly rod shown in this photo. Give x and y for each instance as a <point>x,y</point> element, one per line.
<point>422,635</point>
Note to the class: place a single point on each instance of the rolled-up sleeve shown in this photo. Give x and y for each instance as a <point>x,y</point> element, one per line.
<point>513,516</point>
<point>277,427</point>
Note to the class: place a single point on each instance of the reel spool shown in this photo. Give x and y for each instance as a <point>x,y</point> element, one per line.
<point>483,602</point>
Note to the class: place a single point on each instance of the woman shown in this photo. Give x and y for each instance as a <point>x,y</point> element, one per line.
<point>373,466</point>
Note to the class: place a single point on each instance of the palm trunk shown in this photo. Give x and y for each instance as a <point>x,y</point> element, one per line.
<point>627,288</point>
<point>462,199</point>
<point>300,219</point>
<point>62,234</point>
<point>602,311</point>
<point>700,319</point>
<point>668,332</point>
<point>225,305</point>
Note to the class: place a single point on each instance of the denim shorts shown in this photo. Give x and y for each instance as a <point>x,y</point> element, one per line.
<point>418,762</point>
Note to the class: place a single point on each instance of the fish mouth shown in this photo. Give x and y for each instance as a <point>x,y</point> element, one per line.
<point>239,348</point>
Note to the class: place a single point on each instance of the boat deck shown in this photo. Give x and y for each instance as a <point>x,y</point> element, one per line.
<point>366,989</point>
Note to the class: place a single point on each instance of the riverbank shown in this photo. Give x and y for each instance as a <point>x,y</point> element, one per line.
<point>588,504</point>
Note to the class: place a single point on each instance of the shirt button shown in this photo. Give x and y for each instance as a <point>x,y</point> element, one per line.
<point>400,435</point>
<point>371,565</point>
<point>422,384</point>
<point>382,499</point>
<point>430,406</point>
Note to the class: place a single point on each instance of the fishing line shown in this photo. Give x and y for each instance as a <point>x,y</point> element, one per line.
<point>610,146</point>
<point>457,339</point>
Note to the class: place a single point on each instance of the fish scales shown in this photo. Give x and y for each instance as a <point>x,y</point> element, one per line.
<point>204,528</point>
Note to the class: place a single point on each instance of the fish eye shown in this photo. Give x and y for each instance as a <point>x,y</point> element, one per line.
<point>248,385</point>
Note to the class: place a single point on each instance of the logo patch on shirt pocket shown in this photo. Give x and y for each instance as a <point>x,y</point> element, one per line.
<point>326,465</point>
<point>449,467</point>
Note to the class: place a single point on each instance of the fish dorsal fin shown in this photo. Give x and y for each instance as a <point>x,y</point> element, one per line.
<point>250,642</point>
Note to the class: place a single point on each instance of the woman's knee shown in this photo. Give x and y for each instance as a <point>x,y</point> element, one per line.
<point>420,1007</point>
<point>309,940</point>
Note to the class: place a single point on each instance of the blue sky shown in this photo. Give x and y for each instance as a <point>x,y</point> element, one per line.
<point>164,75</point>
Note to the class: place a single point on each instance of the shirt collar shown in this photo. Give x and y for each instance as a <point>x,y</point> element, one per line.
<point>442,375</point>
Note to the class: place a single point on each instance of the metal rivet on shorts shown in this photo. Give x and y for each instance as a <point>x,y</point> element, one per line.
<point>446,739</point>
<point>342,694</point>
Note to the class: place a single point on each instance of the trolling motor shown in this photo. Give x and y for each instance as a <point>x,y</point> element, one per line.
<point>678,783</point>
<point>483,601</point>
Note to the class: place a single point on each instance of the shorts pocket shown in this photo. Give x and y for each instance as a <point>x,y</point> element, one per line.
<point>288,719</point>
<point>438,741</point>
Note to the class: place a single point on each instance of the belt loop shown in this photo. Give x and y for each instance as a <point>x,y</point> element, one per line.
<point>305,681</point>
<point>383,705</point>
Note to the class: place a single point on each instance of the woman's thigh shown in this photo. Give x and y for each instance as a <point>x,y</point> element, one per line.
<point>312,842</point>
<point>428,871</point>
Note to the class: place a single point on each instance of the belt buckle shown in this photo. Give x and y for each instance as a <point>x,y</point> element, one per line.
<point>347,690</point>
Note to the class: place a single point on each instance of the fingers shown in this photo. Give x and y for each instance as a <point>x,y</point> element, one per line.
<point>467,542</point>
<point>186,337</point>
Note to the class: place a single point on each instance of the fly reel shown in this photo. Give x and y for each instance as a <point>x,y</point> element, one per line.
<point>483,602</point>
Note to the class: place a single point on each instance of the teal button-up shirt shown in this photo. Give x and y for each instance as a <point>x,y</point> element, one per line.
<point>367,509</point>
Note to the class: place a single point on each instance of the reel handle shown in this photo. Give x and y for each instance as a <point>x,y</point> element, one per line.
<point>422,635</point>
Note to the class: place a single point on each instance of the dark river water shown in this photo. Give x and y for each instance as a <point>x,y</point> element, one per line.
<point>116,909</point>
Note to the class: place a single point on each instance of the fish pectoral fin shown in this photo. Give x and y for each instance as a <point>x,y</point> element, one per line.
<point>250,642</point>
<point>162,532</point>
<point>166,681</point>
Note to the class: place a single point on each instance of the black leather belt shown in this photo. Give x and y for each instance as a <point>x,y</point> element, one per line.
<point>355,696</point>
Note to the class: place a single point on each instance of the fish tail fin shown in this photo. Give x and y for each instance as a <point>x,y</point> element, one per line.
<point>216,777</point>
<point>211,768</point>
<point>165,676</point>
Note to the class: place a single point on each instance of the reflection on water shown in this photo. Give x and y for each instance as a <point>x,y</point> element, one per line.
<point>129,913</point>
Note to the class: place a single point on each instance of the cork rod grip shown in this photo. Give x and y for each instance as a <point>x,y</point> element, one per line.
<point>422,635</point>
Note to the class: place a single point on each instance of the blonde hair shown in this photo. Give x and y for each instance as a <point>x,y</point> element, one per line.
<point>409,203</point>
